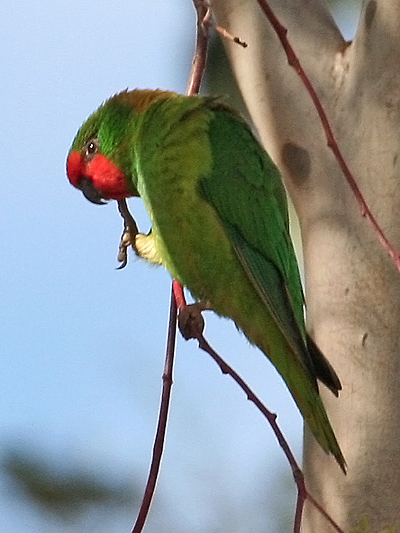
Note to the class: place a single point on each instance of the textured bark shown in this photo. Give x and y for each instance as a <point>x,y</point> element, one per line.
<point>352,286</point>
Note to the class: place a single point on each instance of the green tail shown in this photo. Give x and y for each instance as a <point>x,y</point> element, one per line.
<point>308,400</point>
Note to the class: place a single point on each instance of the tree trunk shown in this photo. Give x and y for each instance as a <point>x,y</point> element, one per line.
<point>352,286</point>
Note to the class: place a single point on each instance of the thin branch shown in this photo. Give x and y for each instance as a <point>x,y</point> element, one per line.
<point>323,512</point>
<point>204,22</point>
<point>302,493</point>
<point>294,62</point>
<point>298,475</point>
<point>302,496</point>
<point>200,55</point>
<point>158,446</point>
<point>226,35</point>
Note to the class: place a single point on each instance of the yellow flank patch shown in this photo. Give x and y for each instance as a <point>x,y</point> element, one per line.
<point>146,248</point>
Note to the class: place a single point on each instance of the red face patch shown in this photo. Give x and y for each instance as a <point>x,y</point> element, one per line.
<point>108,179</point>
<point>74,168</point>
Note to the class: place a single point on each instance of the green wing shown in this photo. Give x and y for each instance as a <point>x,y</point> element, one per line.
<point>245,189</point>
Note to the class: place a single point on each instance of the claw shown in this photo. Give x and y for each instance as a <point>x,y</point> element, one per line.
<point>124,244</point>
<point>128,235</point>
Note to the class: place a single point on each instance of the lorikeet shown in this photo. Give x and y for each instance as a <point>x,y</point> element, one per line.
<point>219,222</point>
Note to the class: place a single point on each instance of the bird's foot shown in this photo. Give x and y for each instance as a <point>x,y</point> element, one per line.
<point>190,319</point>
<point>128,235</point>
<point>127,239</point>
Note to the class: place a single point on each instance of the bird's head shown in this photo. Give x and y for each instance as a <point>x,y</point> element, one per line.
<point>98,162</point>
<point>92,172</point>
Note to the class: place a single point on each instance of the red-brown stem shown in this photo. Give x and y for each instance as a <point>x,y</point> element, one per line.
<point>302,496</point>
<point>177,296</point>
<point>324,513</point>
<point>225,34</point>
<point>162,421</point>
<point>302,493</point>
<point>294,62</point>
<point>298,475</point>
<point>200,56</point>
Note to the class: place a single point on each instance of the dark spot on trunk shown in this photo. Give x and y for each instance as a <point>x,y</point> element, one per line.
<point>364,339</point>
<point>297,160</point>
<point>370,13</point>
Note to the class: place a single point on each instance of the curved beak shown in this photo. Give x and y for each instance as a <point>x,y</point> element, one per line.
<point>90,192</point>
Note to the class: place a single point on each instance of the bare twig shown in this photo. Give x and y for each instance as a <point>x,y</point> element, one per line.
<point>302,493</point>
<point>298,475</point>
<point>294,62</point>
<point>162,421</point>
<point>204,22</point>
<point>200,55</point>
<point>226,35</point>
<point>130,224</point>
<point>324,513</point>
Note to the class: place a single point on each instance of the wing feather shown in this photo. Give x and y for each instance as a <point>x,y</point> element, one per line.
<point>245,189</point>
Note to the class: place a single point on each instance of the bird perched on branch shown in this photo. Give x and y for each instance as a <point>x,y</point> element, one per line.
<point>220,222</point>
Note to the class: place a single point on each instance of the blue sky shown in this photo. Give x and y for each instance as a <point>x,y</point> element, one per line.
<point>82,344</point>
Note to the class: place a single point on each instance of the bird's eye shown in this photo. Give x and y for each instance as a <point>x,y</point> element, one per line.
<point>91,148</point>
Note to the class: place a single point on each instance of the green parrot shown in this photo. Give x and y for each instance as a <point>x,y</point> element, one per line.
<point>219,219</point>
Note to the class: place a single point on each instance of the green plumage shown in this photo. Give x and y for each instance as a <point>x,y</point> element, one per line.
<point>220,226</point>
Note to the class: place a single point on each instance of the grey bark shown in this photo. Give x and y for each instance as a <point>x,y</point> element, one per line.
<point>352,286</point>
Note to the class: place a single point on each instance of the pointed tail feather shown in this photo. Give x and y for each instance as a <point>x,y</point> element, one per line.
<point>323,369</point>
<point>312,408</point>
<point>320,426</point>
